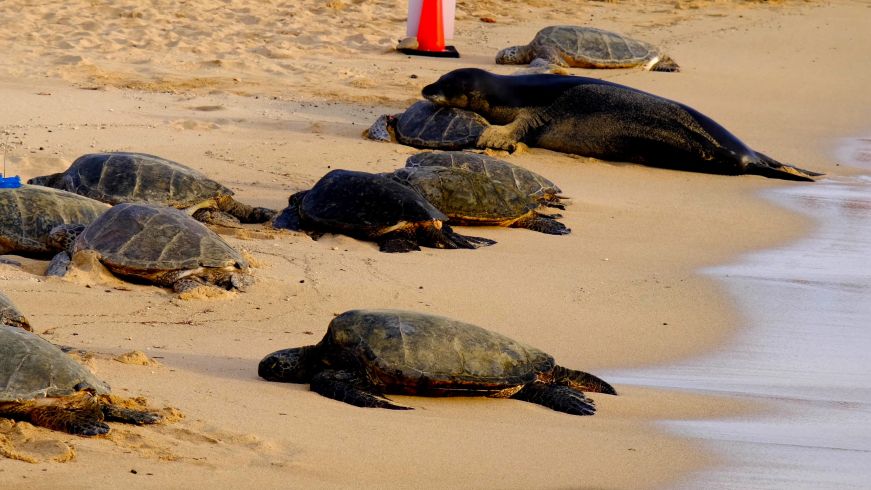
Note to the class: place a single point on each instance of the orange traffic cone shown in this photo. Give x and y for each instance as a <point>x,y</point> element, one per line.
<point>431,30</point>
<point>431,33</point>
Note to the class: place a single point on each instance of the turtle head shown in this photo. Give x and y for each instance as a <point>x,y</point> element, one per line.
<point>296,365</point>
<point>515,55</point>
<point>62,237</point>
<point>50,180</point>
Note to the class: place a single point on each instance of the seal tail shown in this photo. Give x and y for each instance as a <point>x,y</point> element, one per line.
<point>769,167</point>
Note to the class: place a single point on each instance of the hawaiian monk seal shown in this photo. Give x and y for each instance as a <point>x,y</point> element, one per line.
<point>600,119</point>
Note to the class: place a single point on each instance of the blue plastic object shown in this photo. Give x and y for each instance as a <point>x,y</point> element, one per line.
<point>10,182</point>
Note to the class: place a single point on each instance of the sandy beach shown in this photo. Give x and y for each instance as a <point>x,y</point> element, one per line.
<point>267,96</point>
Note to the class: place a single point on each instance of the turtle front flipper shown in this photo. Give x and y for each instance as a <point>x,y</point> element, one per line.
<point>350,388</point>
<point>288,218</point>
<point>245,213</point>
<point>62,238</point>
<point>556,397</point>
<point>542,223</point>
<point>113,410</point>
<point>581,381</point>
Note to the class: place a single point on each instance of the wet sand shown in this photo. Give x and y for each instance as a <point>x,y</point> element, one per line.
<point>804,355</point>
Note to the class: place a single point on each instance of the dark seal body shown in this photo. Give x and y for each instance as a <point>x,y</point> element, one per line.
<point>600,119</point>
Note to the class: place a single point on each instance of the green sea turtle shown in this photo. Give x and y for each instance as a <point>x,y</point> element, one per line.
<point>156,244</point>
<point>372,207</point>
<point>532,184</point>
<point>595,118</point>
<point>586,47</point>
<point>118,177</point>
<point>42,385</point>
<point>476,199</point>
<point>425,125</point>
<point>367,353</point>
<point>10,316</point>
<point>28,213</point>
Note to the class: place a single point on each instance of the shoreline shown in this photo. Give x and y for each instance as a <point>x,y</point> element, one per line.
<point>800,358</point>
<point>597,300</point>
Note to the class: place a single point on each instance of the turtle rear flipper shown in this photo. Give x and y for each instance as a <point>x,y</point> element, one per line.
<point>542,223</point>
<point>347,387</point>
<point>216,217</point>
<point>447,238</point>
<point>397,244</point>
<point>78,414</point>
<point>664,64</point>
<point>556,397</point>
<point>581,381</point>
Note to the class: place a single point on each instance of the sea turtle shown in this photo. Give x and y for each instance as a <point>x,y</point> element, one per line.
<point>532,184</point>
<point>425,125</point>
<point>10,316</point>
<point>157,244</point>
<point>600,119</point>
<point>28,213</point>
<point>367,353</point>
<point>586,47</point>
<point>474,198</point>
<point>118,177</point>
<point>42,385</point>
<point>372,207</point>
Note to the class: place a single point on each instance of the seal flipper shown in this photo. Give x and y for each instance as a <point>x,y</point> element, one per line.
<point>347,387</point>
<point>556,397</point>
<point>581,381</point>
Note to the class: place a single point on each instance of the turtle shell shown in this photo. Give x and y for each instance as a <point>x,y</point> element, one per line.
<point>589,46</point>
<point>118,177</point>
<point>136,239</point>
<point>364,204</point>
<point>31,367</point>
<point>417,353</point>
<point>28,213</point>
<point>9,314</point>
<point>526,181</point>
<point>426,125</point>
<point>466,196</point>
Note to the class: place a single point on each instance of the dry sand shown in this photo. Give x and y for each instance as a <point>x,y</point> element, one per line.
<point>266,96</point>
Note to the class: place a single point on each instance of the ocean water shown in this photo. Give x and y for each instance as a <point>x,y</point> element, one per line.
<point>806,350</point>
